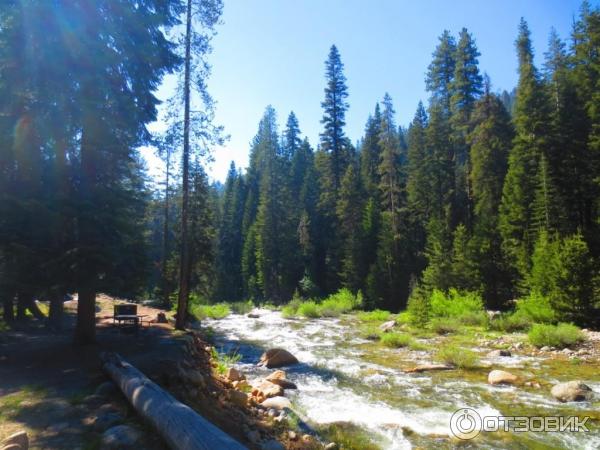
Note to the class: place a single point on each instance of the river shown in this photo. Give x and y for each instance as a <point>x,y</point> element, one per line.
<point>343,378</point>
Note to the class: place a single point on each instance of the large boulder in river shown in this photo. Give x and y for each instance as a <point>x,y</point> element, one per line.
<point>277,357</point>
<point>501,377</point>
<point>234,375</point>
<point>572,391</point>
<point>278,377</point>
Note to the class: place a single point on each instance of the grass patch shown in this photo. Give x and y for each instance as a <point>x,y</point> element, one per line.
<point>444,325</point>
<point>348,436</point>
<point>377,315</point>
<point>460,357</point>
<point>474,318</point>
<point>336,304</point>
<point>216,311</point>
<point>396,340</point>
<point>12,402</point>
<point>224,360</point>
<point>561,335</point>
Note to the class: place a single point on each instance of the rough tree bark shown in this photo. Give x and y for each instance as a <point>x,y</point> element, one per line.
<point>184,270</point>
<point>179,425</point>
<point>56,311</point>
<point>85,329</point>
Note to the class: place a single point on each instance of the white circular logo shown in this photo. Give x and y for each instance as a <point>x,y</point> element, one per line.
<point>465,423</point>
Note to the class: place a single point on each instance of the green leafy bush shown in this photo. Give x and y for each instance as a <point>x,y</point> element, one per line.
<point>377,315</point>
<point>445,325</point>
<point>474,318</point>
<point>396,340</point>
<point>241,307</point>
<point>561,335</point>
<point>342,301</point>
<point>536,307</point>
<point>309,309</point>
<point>455,303</point>
<point>460,357</point>
<point>418,308</point>
<point>291,309</point>
<point>510,323</point>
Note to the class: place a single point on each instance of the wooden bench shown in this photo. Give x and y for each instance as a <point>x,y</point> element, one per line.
<point>126,316</point>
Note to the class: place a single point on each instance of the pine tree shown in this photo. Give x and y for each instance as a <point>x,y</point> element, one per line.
<point>465,88</point>
<point>291,135</point>
<point>531,121</point>
<point>490,140</point>
<point>370,154</point>
<point>441,71</point>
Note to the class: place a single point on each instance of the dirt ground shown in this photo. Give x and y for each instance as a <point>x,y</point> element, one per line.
<point>47,383</point>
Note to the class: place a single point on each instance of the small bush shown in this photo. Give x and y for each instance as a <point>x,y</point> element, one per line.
<point>309,309</point>
<point>342,301</point>
<point>460,357</point>
<point>396,340</point>
<point>455,303</point>
<point>537,308</point>
<point>418,308</point>
<point>241,307</point>
<point>475,318</point>
<point>377,315</point>
<point>224,360</point>
<point>291,309</point>
<point>444,325</point>
<point>561,335</point>
<point>510,323</point>
<point>217,311</point>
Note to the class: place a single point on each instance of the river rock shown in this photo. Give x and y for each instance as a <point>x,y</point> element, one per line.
<point>498,353</point>
<point>286,384</point>
<point>387,326</point>
<point>235,375</point>
<point>572,391</point>
<point>121,437</point>
<point>277,402</point>
<point>266,389</point>
<point>501,377</point>
<point>331,446</point>
<point>277,357</point>
<point>238,398</point>
<point>253,316</point>
<point>105,420</point>
<point>19,439</point>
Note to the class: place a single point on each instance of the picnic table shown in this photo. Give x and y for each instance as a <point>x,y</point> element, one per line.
<point>125,315</point>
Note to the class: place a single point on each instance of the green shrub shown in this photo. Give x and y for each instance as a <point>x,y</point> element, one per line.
<point>418,308</point>
<point>396,340</point>
<point>309,309</point>
<point>474,318</point>
<point>377,315</point>
<point>291,309</point>
<point>536,307</point>
<point>460,357</point>
<point>217,311</point>
<point>241,307</point>
<point>561,335</point>
<point>510,323</point>
<point>455,303</point>
<point>342,301</point>
<point>441,325</point>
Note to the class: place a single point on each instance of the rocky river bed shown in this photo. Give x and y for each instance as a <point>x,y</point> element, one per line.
<point>352,382</point>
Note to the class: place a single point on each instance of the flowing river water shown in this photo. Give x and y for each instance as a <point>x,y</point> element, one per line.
<point>347,380</point>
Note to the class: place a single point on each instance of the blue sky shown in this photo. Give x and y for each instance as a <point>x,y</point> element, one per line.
<point>273,52</point>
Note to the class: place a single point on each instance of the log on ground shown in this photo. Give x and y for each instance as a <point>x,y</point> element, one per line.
<point>179,425</point>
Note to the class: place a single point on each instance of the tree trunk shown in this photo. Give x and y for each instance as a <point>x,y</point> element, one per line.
<point>165,281</point>
<point>56,311</point>
<point>184,270</point>
<point>85,330</point>
<point>21,307</point>
<point>179,425</point>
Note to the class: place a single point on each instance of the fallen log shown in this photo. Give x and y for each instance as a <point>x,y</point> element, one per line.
<point>427,367</point>
<point>179,425</point>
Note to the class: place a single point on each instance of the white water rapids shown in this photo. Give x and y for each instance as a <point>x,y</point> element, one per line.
<point>338,383</point>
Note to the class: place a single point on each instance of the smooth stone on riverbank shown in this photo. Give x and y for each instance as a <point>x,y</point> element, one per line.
<point>266,389</point>
<point>498,353</point>
<point>277,357</point>
<point>572,391</point>
<point>387,326</point>
<point>501,377</point>
<point>278,402</point>
<point>18,440</point>
<point>235,375</point>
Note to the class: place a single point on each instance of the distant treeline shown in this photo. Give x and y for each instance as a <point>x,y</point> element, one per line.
<point>481,192</point>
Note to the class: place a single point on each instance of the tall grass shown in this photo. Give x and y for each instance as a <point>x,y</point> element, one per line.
<point>396,340</point>
<point>216,311</point>
<point>460,357</point>
<point>377,315</point>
